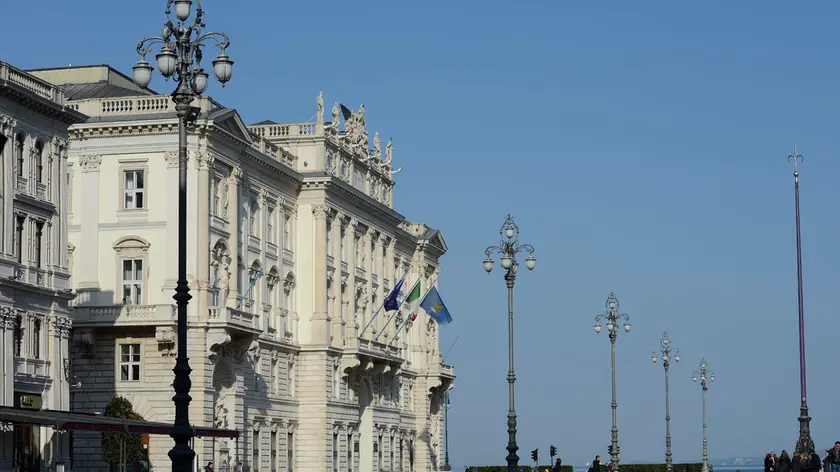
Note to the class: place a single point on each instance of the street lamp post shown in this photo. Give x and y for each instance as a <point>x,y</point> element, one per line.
<point>446,406</point>
<point>804,443</point>
<point>668,352</point>
<point>180,55</point>
<point>705,376</point>
<point>508,249</point>
<point>613,315</point>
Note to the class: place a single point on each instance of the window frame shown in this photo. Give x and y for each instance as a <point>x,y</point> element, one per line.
<point>129,343</point>
<point>131,248</point>
<point>18,148</point>
<point>134,192</point>
<point>38,155</point>
<point>135,298</point>
<point>134,165</point>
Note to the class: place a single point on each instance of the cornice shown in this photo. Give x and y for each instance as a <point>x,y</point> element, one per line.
<point>330,183</point>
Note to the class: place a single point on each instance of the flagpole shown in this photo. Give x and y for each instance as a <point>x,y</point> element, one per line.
<point>450,348</point>
<point>399,305</point>
<point>405,322</point>
<point>379,309</point>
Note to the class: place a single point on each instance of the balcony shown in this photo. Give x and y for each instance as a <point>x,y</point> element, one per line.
<point>124,315</point>
<point>32,367</point>
<point>226,317</point>
<point>21,184</point>
<point>40,191</point>
<point>447,371</point>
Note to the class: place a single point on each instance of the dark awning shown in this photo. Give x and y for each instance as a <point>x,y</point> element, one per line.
<point>65,420</point>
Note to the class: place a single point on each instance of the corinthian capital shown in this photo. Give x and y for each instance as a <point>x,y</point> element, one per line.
<point>320,211</point>
<point>236,174</point>
<point>90,162</point>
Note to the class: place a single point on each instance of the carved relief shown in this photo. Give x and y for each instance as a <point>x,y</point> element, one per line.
<point>90,162</point>
<point>7,126</point>
<point>204,160</point>
<point>225,197</point>
<point>171,158</point>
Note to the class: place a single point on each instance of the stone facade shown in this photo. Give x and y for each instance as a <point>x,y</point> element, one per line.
<point>296,246</point>
<point>34,290</point>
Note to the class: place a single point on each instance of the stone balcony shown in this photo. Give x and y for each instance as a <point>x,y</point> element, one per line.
<point>42,88</point>
<point>243,322</point>
<point>447,371</point>
<point>124,315</point>
<point>32,367</point>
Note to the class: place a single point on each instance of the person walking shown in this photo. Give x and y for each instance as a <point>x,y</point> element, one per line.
<point>784,462</point>
<point>834,458</point>
<point>596,464</point>
<point>209,467</point>
<point>770,462</point>
<point>557,464</point>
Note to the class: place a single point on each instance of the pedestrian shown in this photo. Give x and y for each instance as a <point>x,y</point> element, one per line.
<point>209,467</point>
<point>770,462</point>
<point>557,464</point>
<point>784,462</point>
<point>834,458</point>
<point>596,464</point>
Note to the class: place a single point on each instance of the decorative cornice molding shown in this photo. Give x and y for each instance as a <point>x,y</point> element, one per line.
<point>90,162</point>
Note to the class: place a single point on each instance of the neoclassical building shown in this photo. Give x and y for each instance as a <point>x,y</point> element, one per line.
<point>296,245</point>
<point>34,277</point>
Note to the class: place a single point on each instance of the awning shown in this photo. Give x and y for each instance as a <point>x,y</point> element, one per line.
<point>67,421</point>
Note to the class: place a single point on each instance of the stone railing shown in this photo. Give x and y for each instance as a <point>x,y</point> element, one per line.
<point>235,318</point>
<point>377,348</point>
<point>124,315</point>
<point>32,367</point>
<point>292,130</point>
<point>42,88</point>
<point>21,184</point>
<point>446,369</point>
<point>127,106</point>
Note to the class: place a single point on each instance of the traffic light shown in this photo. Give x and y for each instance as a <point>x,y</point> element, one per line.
<point>552,451</point>
<point>535,455</point>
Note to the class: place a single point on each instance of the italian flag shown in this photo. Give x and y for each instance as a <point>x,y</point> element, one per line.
<point>413,298</point>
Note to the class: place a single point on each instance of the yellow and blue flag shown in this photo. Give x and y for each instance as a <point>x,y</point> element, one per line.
<point>433,305</point>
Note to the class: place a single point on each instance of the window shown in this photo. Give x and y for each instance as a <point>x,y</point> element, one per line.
<point>214,289</point>
<point>291,379</point>
<point>379,454</point>
<point>19,154</point>
<point>335,451</point>
<point>256,452</point>
<point>392,452</point>
<point>39,162</point>
<point>273,451</point>
<point>132,282</point>
<point>130,362</point>
<point>36,339</point>
<point>402,455</point>
<point>287,232</point>
<point>270,236</point>
<point>134,188</point>
<point>290,452</point>
<point>19,239</point>
<point>255,209</point>
<point>39,236</point>
<point>410,454</point>
<point>336,387</point>
<point>358,246</point>
<point>275,379</point>
<point>257,368</point>
<point>217,195</point>
<point>350,452</point>
<point>18,336</point>
<point>69,190</point>
<point>329,240</point>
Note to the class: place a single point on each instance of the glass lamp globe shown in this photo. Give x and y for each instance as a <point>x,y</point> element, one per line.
<point>530,262</point>
<point>653,358</point>
<point>597,327</point>
<point>488,264</point>
<point>612,304</point>
<point>665,358</point>
<point>182,9</point>
<point>703,364</point>
<point>506,262</point>
<point>142,74</point>
<point>610,326</point>
<point>665,340</point>
<point>222,69</point>
<point>712,378</point>
<point>627,327</point>
<point>509,232</point>
<point>694,378</point>
<point>199,81</point>
<point>166,61</point>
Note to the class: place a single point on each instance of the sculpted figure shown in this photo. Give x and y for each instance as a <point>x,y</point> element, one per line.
<point>377,147</point>
<point>320,116</point>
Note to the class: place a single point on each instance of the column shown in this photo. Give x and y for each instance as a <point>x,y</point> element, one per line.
<point>88,265</point>
<point>7,130</point>
<point>379,260</point>
<point>204,162</point>
<point>367,241</point>
<point>171,267</point>
<point>230,209</point>
<point>350,312</point>
<point>7,326</point>
<point>320,325</point>
<point>393,276</point>
<point>337,299</point>
<point>60,260</point>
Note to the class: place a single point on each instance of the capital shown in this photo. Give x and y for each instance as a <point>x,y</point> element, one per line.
<point>7,125</point>
<point>320,211</point>
<point>204,160</point>
<point>171,158</point>
<point>236,174</point>
<point>90,162</point>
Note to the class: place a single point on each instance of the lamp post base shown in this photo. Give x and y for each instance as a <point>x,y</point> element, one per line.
<point>804,443</point>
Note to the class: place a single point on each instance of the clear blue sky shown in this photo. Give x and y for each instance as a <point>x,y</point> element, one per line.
<point>640,147</point>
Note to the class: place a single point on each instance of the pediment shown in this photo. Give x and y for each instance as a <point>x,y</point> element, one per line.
<point>436,240</point>
<point>229,121</point>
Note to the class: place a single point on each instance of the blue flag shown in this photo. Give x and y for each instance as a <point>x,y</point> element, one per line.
<point>391,303</point>
<point>433,305</point>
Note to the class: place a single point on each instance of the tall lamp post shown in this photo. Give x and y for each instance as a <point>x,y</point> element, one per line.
<point>508,249</point>
<point>668,352</point>
<point>180,55</point>
<point>804,443</point>
<point>613,315</point>
<point>705,376</point>
<point>446,405</point>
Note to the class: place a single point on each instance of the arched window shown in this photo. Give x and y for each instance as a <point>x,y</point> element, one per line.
<point>19,155</point>
<point>39,162</point>
<point>132,265</point>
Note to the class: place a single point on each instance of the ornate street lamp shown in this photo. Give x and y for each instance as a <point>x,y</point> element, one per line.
<point>508,248</point>
<point>613,315</point>
<point>668,352</point>
<point>705,376</point>
<point>446,406</point>
<point>180,56</point>
<point>804,443</point>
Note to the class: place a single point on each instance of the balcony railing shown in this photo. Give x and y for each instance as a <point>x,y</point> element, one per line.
<point>447,370</point>
<point>235,319</point>
<point>292,130</point>
<point>32,367</point>
<point>40,190</point>
<point>124,315</point>
<point>21,184</point>
<point>39,87</point>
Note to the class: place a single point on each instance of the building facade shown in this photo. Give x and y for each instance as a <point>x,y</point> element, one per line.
<point>34,276</point>
<point>296,245</point>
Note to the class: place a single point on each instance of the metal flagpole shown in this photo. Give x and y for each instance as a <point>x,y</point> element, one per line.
<point>250,286</point>
<point>394,314</point>
<point>378,310</point>
<point>408,318</point>
<point>450,348</point>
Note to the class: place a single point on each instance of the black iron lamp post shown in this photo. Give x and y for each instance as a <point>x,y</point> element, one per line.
<point>669,352</point>
<point>508,248</point>
<point>180,56</point>
<point>705,375</point>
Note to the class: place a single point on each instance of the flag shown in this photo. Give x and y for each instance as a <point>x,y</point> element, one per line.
<point>346,112</point>
<point>413,296</point>
<point>391,302</point>
<point>433,305</point>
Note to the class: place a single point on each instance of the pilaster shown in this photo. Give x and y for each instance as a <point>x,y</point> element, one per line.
<point>232,210</point>
<point>320,324</point>
<point>350,312</point>
<point>171,270</point>
<point>367,241</point>
<point>89,242</point>
<point>204,162</point>
<point>337,295</point>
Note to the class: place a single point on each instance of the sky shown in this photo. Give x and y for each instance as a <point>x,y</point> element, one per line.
<point>641,148</point>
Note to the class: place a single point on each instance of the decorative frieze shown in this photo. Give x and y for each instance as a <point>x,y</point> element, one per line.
<point>90,162</point>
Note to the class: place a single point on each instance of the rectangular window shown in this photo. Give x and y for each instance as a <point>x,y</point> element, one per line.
<point>290,452</point>
<point>255,210</point>
<point>350,452</point>
<point>39,163</point>
<point>275,378</point>
<point>134,188</point>
<point>257,368</point>
<point>36,339</point>
<point>392,452</point>
<point>335,452</point>
<point>273,451</point>
<point>18,336</point>
<point>19,239</point>
<point>132,282</point>
<point>329,240</point>
<point>358,245</point>
<point>287,232</point>
<point>130,362</point>
<point>270,223</point>
<point>379,455</point>
<point>217,196</point>
<point>336,387</point>
<point>256,454</point>
<point>214,288</point>
<point>69,190</point>
<point>291,379</point>
<point>39,236</point>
